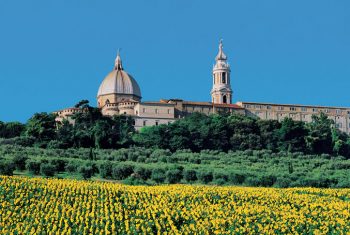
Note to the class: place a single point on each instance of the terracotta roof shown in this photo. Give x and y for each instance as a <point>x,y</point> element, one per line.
<point>157,103</point>
<point>295,105</point>
<point>235,106</point>
<point>61,110</point>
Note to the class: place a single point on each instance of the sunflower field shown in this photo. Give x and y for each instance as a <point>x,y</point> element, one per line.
<point>60,206</point>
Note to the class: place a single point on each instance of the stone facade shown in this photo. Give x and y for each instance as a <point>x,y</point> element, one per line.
<point>340,115</point>
<point>119,94</point>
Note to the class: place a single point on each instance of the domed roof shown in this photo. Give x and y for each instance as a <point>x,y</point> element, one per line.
<point>118,81</point>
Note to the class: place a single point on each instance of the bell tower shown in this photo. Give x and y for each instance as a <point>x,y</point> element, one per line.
<point>221,93</point>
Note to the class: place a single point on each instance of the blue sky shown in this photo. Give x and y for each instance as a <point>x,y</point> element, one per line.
<point>55,53</point>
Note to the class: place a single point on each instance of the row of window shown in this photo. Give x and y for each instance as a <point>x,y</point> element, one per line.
<point>156,122</point>
<point>303,109</point>
<point>155,111</point>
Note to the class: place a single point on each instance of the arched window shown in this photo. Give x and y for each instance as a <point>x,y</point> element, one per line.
<point>223,77</point>
<point>224,99</point>
<point>107,101</point>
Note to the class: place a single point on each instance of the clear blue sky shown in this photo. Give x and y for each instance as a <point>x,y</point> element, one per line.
<point>55,53</point>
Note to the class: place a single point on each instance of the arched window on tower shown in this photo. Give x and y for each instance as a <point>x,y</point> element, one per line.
<point>224,77</point>
<point>107,101</point>
<point>224,99</point>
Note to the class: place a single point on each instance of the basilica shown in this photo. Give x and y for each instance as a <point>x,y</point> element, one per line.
<point>120,94</point>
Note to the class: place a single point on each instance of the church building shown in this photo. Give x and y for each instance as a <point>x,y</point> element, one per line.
<point>120,94</point>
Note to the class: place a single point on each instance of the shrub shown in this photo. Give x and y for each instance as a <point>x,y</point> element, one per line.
<point>261,180</point>
<point>219,181</point>
<point>86,172</point>
<point>47,169</point>
<point>33,166</point>
<point>221,176</point>
<point>158,175</point>
<point>283,182</point>
<point>106,170</point>
<point>121,172</point>
<point>21,141</point>
<point>190,175</point>
<point>267,180</point>
<point>205,176</point>
<point>143,173</point>
<point>237,178</point>
<point>59,164</point>
<point>19,161</point>
<point>56,144</point>
<point>72,166</point>
<point>6,167</point>
<point>174,176</point>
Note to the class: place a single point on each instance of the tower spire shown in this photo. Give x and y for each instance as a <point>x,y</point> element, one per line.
<point>118,61</point>
<point>221,55</point>
<point>221,92</point>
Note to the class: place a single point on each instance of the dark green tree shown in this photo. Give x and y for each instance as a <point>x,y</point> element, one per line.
<point>292,133</point>
<point>41,126</point>
<point>319,140</point>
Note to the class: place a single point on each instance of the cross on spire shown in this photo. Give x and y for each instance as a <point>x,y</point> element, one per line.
<point>118,61</point>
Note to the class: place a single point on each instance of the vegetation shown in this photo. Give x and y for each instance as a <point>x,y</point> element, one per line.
<point>216,149</point>
<point>155,166</point>
<point>222,132</point>
<point>56,206</point>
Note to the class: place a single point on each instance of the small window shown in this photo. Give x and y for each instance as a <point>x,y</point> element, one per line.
<point>124,112</point>
<point>280,108</point>
<point>156,110</point>
<point>292,109</point>
<point>133,122</point>
<point>304,109</point>
<point>338,111</point>
<point>157,123</point>
<point>224,99</point>
<point>224,77</point>
<point>338,125</point>
<point>144,123</point>
<point>137,112</point>
<point>107,101</point>
<point>144,110</point>
<point>326,110</point>
<point>168,111</point>
<point>268,107</point>
<point>314,110</point>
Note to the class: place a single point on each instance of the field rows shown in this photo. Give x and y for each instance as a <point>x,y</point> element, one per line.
<point>54,206</point>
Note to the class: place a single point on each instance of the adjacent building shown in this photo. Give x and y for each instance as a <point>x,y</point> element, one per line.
<point>120,94</point>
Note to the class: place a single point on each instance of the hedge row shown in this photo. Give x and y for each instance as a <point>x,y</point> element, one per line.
<point>158,174</point>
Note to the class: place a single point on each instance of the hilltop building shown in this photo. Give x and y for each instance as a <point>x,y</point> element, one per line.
<point>120,94</point>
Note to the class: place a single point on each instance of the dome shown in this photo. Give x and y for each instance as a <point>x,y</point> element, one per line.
<point>119,82</point>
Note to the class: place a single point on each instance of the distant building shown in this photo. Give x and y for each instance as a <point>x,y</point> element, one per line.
<point>119,94</point>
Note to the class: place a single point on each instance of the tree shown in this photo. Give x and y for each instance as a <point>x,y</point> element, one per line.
<point>244,133</point>
<point>11,129</point>
<point>41,126</point>
<point>268,133</point>
<point>341,143</point>
<point>319,140</point>
<point>292,133</point>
